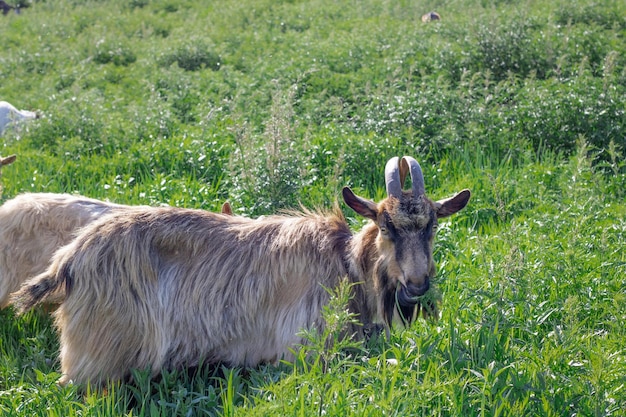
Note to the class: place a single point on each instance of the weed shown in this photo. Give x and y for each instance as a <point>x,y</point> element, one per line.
<point>270,167</point>
<point>115,53</point>
<point>192,55</point>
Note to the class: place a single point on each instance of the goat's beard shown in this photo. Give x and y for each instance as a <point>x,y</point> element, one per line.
<point>404,299</point>
<point>407,299</point>
<point>409,294</point>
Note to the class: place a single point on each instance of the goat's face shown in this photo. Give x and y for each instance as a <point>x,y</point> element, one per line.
<point>406,225</point>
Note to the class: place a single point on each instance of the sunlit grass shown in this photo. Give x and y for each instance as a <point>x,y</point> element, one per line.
<point>271,104</point>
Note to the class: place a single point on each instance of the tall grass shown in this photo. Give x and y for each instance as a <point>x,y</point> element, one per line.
<point>272,104</point>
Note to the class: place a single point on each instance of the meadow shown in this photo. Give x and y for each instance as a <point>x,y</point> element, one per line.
<point>272,104</point>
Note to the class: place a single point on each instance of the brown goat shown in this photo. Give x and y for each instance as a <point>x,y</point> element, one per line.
<point>168,287</point>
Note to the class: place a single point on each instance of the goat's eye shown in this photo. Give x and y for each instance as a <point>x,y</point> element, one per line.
<point>383,230</point>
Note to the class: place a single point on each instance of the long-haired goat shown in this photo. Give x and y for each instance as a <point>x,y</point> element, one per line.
<point>34,225</point>
<point>158,288</point>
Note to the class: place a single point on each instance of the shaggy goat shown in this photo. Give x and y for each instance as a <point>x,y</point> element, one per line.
<point>34,225</point>
<point>158,288</point>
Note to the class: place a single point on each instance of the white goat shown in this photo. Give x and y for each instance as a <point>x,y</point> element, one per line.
<point>9,115</point>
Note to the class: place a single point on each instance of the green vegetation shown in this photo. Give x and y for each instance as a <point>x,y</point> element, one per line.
<point>271,103</point>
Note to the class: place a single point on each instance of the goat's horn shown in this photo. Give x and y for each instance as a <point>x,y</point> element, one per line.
<point>392,178</point>
<point>417,178</point>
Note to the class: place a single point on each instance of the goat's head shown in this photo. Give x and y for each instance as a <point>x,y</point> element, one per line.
<point>406,225</point>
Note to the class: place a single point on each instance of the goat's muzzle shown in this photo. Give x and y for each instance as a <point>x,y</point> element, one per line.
<point>408,295</point>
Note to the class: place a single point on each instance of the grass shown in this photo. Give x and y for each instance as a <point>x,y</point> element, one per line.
<point>269,104</point>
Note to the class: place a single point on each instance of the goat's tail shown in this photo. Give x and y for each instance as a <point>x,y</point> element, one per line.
<point>46,287</point>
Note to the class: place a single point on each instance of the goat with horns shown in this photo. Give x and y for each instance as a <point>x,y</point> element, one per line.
<point>165,288</point>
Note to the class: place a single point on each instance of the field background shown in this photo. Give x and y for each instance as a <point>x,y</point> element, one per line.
<point>271,103</point>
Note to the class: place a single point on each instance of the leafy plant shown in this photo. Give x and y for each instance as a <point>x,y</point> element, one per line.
<point>192,55</point>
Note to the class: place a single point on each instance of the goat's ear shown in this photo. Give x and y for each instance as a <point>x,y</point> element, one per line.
<point>365,208</point>
<point>227,209</point>
<point>449,206</point>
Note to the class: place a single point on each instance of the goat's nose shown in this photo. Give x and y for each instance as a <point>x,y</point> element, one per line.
<point>419,283</point>
<point>420,289</point>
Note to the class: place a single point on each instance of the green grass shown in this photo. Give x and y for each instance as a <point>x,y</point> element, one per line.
<point>270,104</point>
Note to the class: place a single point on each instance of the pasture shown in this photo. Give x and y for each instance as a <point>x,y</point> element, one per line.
<point>269,104</point>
